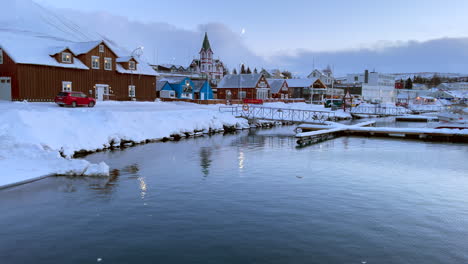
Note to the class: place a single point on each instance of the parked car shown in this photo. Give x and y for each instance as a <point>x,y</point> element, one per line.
<point>335,102</point>
<point>74,99</point>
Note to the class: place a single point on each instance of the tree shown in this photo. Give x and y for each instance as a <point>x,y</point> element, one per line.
<point>249,71</point>
<point>409,84</point>
<point>243,69</point>
<point>255,71</point>
<point>234,71</point>
<point>435,81</point>
<point>225,71</point>
<point>287,74</point>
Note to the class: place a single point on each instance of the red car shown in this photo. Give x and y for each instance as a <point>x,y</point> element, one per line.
<point>74,99</point>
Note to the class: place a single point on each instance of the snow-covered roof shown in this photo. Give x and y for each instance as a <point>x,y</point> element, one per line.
<point>124,59</point>
<point>276,85</point>
<point>198,84</point>
<point>27,49</point>
<point>173,80</point>
<point>306,82</point>
<point>245,80</point>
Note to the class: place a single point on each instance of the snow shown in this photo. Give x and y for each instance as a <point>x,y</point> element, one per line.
<point>303,106</point>
<point>33,135</point>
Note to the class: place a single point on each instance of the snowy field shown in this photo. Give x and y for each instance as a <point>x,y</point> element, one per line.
<point>33,135</point>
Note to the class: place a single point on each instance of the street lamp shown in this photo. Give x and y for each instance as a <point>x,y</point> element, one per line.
<point>138,52</point>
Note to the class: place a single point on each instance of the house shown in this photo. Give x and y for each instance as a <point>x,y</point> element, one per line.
<point>451,95</point>
<point>308,88</point>
<point>279,88</point>
<point>376,87</point>
<point>202,90</point>
<point>206,65</point>
<point>326,78</point>
<point>181,86</point>
<point>272,74</point>
<point>244,86</point>
<point>38,68</point>
<point>185,88</point>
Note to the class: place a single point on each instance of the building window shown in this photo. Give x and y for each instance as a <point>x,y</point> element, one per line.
<point>131,91</point>
<point>1,56</point>
<point>66,57</point>
<point>95,62</point>
<point>66,86</point>
<point>242,95</point>
<point>132,65</point>
<point>101,48</point>
<point>108,64</point>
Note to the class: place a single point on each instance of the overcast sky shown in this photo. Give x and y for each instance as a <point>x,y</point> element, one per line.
<point>269,29</point>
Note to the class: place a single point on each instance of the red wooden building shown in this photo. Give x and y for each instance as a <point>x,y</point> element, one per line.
<point>279,88</point>
<point>37,68</point>
<point>244,86</point>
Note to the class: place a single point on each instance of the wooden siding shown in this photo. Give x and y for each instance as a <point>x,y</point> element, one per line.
<point>251,93</point>
<point>42,83</point>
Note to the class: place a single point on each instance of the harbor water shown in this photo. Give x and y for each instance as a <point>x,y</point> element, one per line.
<point>250,197</point>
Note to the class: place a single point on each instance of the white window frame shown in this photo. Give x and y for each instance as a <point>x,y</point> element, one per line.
<point>67,86</point>
<point>101,48</point>
<point>1,56</point>
<point>64,57</point>
<point>108,64</point>
<point>96,67</point>
<point>132,65</point>
<point>131,91</point>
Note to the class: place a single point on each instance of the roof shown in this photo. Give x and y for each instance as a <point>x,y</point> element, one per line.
<point>245,80</point>
<point>198,84</point>
<point>27,49</point>
<point>306,82</point>
<point>160,85</point>
<point>276,85</point>
<point>206,44</point>
<point>173,80</point>
<point>124,59</point>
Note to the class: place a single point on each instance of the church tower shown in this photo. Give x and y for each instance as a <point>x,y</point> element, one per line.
<point>206,57</point>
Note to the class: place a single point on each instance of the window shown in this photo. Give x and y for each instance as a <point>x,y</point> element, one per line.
<point>66,86</point>
<point>131,91</point>
<point>101,48</point>
<point>66,57</point>
<point>108,64</point>
<point>242,95</point>
<point>1,56</point>
<point>356,78</point>
<point>131,65</point>
<point>95,62</point>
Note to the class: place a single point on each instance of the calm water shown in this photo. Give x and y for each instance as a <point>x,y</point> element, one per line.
<point>252,197</point>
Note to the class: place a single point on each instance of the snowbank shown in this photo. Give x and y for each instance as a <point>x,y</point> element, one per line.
<point>39,139</point>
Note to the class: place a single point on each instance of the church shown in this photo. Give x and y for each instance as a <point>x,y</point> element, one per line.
<point>206,66</point>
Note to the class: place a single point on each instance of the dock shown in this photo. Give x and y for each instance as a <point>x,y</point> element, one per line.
<point>416,118</point>
<point>426,134</point>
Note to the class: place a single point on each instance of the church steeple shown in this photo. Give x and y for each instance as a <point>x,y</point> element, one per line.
<point>206,44</point>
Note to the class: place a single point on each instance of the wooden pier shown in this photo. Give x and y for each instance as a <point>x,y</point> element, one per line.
<point>426,134</point>
<point>416,118</point>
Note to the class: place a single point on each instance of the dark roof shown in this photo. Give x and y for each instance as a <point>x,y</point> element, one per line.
<point>198,84</point>
<point>206,43</point>
<point>245,80</point>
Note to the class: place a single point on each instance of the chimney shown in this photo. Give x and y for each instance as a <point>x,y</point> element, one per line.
<point>366,76</point>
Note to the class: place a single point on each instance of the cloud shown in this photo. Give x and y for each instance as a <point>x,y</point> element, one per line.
<point>440,55</point>
<point>166,43</point>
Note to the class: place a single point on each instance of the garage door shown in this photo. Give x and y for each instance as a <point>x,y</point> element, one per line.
<point>5,88</point>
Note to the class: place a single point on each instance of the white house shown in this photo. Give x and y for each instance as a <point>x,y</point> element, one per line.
<point>327,79</point>
<point>462,86</point>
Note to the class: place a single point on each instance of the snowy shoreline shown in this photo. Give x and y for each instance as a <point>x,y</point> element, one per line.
<point>40,139</point>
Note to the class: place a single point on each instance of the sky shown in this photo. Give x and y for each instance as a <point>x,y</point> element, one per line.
<point>295,34</point>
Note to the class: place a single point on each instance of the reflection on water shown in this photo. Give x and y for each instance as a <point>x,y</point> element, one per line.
<point>348,200</point>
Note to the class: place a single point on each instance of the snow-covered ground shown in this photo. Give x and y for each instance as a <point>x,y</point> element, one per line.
<point>33,135</point>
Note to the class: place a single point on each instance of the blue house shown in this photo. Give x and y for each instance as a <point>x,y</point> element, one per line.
<point>185,88</point>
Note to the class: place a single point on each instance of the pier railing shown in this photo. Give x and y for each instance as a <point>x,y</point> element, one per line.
<point>279,114</point>
<point>379,110</point>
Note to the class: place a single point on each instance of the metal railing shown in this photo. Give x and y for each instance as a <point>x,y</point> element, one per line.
<point>427,108</point>
<point>379,110</point>
<point>279,114</point>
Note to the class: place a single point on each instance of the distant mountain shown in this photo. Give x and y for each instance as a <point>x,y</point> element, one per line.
<point>428,75</point>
